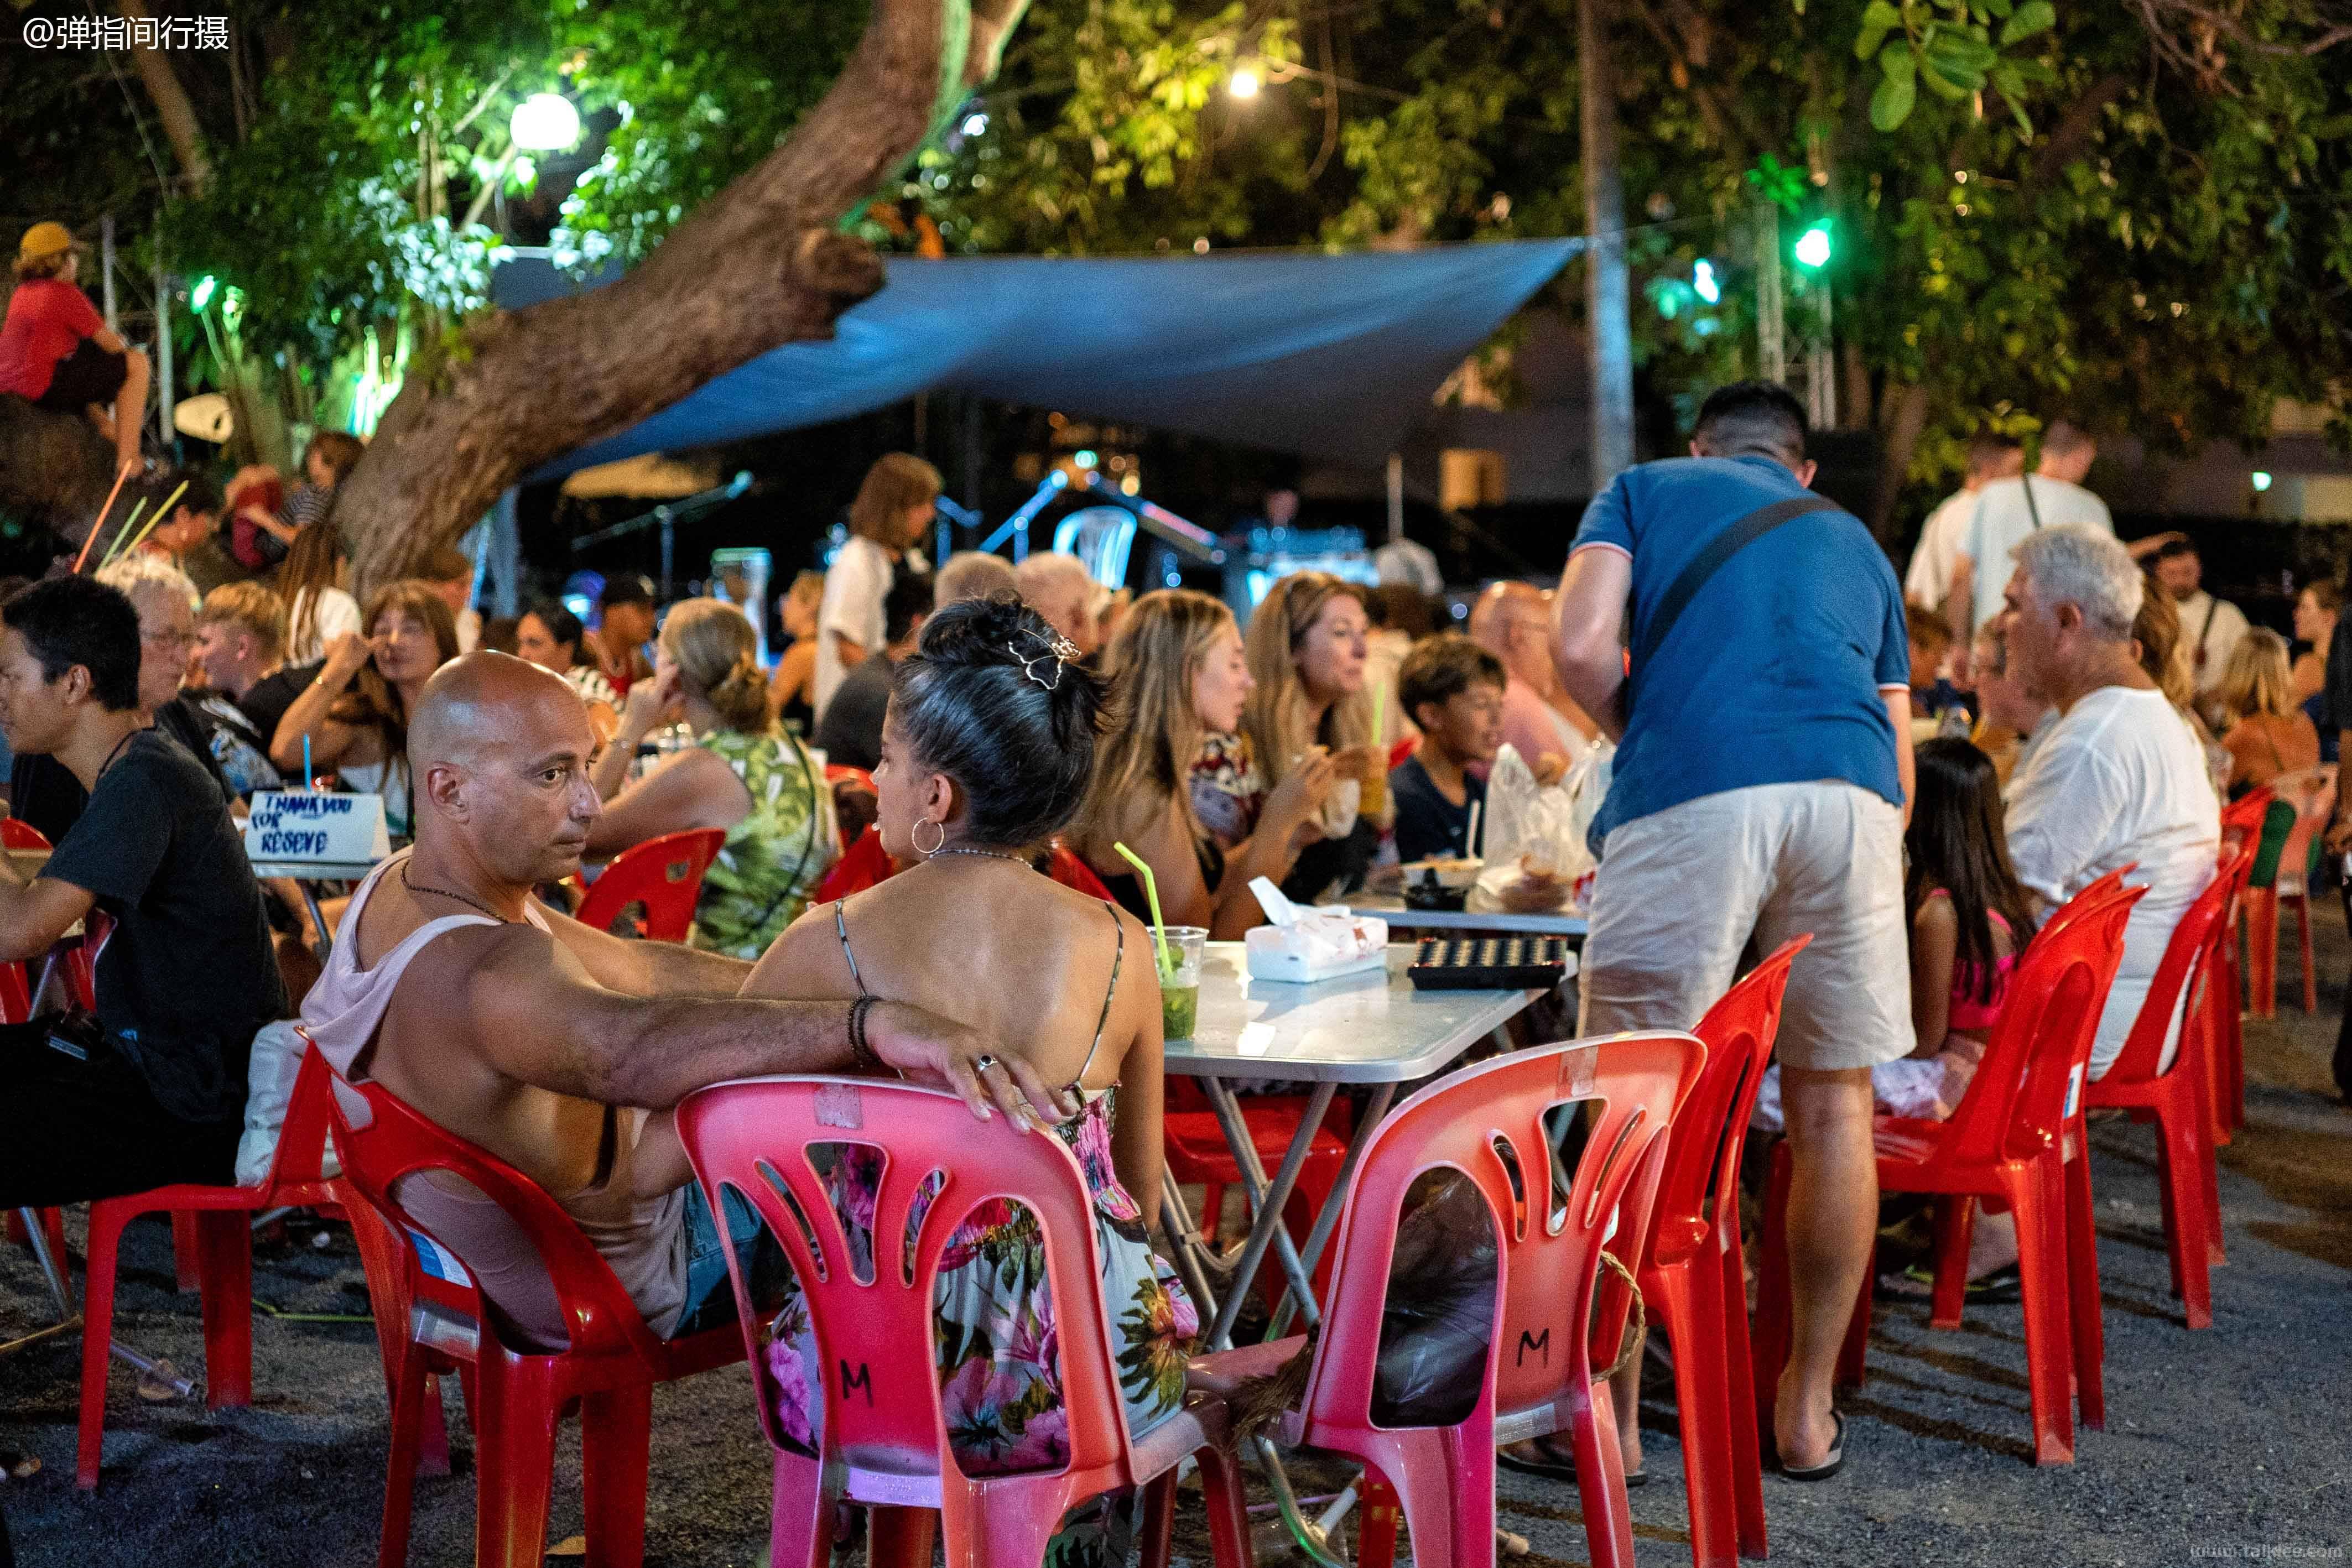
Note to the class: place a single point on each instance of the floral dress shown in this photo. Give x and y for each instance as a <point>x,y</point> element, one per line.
<point>773,858</point>
<point>999,1352</point>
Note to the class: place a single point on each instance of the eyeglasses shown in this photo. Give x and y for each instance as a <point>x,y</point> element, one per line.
<point>171,638</point>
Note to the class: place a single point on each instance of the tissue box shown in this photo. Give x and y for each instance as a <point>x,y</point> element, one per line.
<point>1317,946</point>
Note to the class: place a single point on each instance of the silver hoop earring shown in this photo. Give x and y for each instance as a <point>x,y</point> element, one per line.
<point>914,838</point>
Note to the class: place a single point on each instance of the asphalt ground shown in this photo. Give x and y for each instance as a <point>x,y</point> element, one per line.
<point>2231,1443</point>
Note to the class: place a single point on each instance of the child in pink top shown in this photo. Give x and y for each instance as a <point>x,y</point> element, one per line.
<point>1970,917</point>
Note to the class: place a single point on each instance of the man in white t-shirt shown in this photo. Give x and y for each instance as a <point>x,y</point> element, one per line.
<point>2119,781</point>
<point>2009,510</point>
<point>895,505</point>
<point>1991,456</point>
<point>2211,628</point>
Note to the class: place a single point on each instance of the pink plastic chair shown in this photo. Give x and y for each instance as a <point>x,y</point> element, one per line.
<point>882,1426</point>
<point>1487,1123</point>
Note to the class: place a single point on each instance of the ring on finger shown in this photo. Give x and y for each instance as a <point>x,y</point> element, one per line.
<point>982,1062</point>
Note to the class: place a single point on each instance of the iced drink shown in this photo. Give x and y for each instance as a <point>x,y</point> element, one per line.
<point>1180,980</point>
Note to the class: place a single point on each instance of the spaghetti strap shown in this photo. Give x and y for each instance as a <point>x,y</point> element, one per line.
<point>1119,960</point>
<point>841,929</point>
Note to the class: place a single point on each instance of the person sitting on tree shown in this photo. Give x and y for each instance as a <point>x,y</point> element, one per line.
<point>57,353</point>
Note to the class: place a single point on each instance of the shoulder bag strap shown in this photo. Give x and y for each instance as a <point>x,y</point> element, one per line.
<point>2026,482</point>
<point>1704,565</point>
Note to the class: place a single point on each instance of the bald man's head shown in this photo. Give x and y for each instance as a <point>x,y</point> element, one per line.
<point>500,750</point>
<point>1512,621</point>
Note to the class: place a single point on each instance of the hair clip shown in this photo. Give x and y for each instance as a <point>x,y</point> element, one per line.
<point>1060,650</point>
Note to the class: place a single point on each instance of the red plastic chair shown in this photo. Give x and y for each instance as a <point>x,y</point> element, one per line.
<point>517,1399</point>
<point>1071,872</point>
<point>663,875</point>
<point>892,1447</point>
<point>1487,1123</point>
<point>2243,818</point>
<point>1691,1274</point>
<point>861,865</point>
<point>217,1221</point>
<point>2313,795</point>
<point>2178,1099</point>
<point>2008,1140</point>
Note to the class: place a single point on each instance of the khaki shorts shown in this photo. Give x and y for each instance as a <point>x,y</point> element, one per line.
<point>1681,893</point>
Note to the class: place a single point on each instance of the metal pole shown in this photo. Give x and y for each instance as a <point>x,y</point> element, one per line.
<point>163,350</point>
<point>1396,496</point>
<point>668,545</point>
<point>1821,366</point>
<point>1771,346</point>
<point>106,267</point>
<point>1609,328</point>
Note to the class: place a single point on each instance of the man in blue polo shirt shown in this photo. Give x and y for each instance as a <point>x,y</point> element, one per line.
<point>1763,768</point>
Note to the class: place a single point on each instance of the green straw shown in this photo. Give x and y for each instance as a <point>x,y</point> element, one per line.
<point>121,533</point>
<point>1379,713</point>
<point>1151,896</point>
<point>160,514</point>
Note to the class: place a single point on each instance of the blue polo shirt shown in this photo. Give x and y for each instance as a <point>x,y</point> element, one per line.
<point>1774,675</point>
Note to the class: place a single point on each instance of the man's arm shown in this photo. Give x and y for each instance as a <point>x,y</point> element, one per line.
<point>1906,766</point>
<point>1589,644</point>
<point>536,1015</point>
<point>646,968</point>
<point>33,917</point>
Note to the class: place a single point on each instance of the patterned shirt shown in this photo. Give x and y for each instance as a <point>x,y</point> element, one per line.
<point>775,857</point>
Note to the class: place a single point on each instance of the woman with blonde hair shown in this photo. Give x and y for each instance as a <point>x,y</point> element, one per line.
<point>355,710</point>
<point>2156,633</point>
<point>894,507</point>
<point>2267,734</point>
<point>743,773</point>
<point>1308,654</point>
<point>793,689</point>
<point>1181,674</point>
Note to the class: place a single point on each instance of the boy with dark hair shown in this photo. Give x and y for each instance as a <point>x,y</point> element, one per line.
<point>151,1092</point>
<point>1453,689</point>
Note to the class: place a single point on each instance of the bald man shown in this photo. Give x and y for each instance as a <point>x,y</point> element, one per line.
<point>560,1048</point>
<point>1059,588</point>
<point>1512,621</point>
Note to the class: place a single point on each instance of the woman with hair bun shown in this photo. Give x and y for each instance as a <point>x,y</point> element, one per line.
<point>986,752</point>
<point>742,773</point>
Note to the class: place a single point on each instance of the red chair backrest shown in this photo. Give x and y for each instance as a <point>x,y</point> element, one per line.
<point>2243,818</point>
<point>17,835</point>
<point>1549,1258</point>
<point>841,773</point>
<point>755,1136</point>
<point>2016,1106</point>
<point>665,875</point>
<point>1071,872</point>
<point>863,865</point>
<point>2189,959</point>
<point>381,1141</point>
<point>1700,1186</point>
<point>2312,791</point>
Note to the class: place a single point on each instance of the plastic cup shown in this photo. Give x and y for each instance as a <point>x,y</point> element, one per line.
<point>1180,989</point>
<point>1374,803</point>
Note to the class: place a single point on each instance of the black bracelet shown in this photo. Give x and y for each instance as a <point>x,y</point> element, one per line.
<point>861,1055</point>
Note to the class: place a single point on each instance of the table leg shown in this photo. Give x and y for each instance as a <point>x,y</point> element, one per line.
<point>1375,1110</point>
<point>53,1270</point>
<point>317,921</point>
<point>1187,1248</point>
<point>1266,1227</point>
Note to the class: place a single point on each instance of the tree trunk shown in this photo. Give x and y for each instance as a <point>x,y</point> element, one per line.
<point>759,265</point>
<point>1907,419</point>
<point>171,100</point>
<point>54,467</point>
<point>1609,328</point>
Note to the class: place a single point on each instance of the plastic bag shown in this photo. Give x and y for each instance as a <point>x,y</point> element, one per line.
<point>1536,829</point>
<point>1440,1313</point>
<point>268,1086</point>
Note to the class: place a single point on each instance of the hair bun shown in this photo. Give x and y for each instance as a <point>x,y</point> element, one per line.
<point>977,632</point>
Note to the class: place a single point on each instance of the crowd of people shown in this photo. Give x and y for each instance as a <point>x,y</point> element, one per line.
<point>2088,708</point>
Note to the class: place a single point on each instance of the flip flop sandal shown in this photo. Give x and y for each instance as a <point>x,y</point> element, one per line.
<point>1558,1465</point>
<point>1828,1467</point>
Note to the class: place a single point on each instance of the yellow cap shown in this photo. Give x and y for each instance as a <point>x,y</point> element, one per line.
<point>44,240</point>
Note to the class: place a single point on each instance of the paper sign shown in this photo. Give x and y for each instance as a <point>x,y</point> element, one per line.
<point>316,825</point>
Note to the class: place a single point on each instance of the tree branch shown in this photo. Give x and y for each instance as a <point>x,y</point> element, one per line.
<point>1739,137</point>
<point>171,100</point>
<point>759,265</point>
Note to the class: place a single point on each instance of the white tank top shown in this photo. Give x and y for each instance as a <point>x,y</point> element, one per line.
<point>646,1249</point>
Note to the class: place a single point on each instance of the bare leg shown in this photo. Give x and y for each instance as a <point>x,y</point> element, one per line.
<point>131,408</point>
<point>1832,1217</point>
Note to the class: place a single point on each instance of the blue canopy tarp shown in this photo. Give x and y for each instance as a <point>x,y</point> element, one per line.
<point>1332,356</point>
